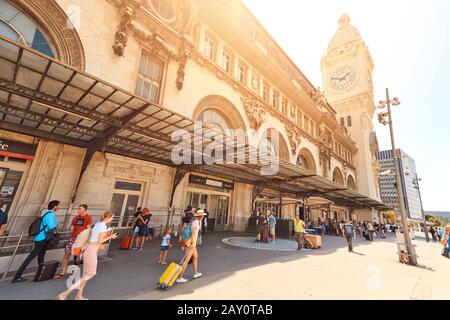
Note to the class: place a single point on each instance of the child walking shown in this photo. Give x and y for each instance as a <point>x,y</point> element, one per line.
<point>165,245</point>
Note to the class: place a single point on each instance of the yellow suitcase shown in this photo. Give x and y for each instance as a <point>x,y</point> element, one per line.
<point>169,276</point>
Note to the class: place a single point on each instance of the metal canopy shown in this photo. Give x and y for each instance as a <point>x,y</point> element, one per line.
<point>42,97</point>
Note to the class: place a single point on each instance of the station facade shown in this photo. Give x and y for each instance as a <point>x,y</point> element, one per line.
<point>193,61</point>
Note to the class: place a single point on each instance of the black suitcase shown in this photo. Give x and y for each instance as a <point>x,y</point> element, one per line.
<point>367,236</point>
<point>265,234</point>
<point>46,271</point>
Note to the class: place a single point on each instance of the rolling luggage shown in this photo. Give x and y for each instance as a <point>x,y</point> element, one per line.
<point>46,271</point>
<point>313,241</point>
<point>367,236</point>
<point>265,234</point>
<point>170,275</point>
<point>125,243</point>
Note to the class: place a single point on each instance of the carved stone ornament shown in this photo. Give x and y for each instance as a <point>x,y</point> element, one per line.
<point>256,113</point>
<point>127,9</point>
<point>183,56</point>
<point>325,135</point>
<point>319,99</point>
<point>295,137</point>
<point>325,156</point>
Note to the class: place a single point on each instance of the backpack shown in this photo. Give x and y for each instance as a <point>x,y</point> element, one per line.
<point>35,227</point>
<point>187,232</point>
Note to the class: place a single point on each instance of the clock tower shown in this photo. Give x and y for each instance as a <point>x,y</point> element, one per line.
<point>347,81</point>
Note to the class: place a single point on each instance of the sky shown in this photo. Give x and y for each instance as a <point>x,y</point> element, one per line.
<point>409,41</point>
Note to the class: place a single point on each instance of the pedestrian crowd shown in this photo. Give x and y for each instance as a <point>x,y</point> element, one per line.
<point>87,238</point>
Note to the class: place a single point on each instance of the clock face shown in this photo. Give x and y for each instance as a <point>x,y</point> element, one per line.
<point>343,78</point>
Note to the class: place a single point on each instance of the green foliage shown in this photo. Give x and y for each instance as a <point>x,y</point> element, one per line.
<point>436,221</point>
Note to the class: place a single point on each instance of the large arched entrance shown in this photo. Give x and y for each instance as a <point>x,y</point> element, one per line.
<point>351,183</point>
<point>217,115</point>
<point>306,160</point>
<point>338,177</point>
<point>42,26</point>
<point>275,144</point>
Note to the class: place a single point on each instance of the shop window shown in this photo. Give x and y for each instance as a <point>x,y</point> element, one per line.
<point>148,83</point>
<point>17,160</point>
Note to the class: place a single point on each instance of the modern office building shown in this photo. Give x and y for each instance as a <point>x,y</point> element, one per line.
<point>408,174</point>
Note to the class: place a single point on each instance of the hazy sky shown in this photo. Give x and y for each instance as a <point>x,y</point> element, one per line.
<point>410,44</point>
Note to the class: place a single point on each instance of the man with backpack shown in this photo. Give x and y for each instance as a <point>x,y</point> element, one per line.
<point>350,234</point>
<point>43,230</point>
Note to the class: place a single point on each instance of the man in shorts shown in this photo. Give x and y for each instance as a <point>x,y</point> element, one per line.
<point>272,226</point>
<point>80,223</point>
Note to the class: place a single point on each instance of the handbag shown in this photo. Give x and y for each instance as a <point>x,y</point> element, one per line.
<point>445,253</point>
<point>53,242</point>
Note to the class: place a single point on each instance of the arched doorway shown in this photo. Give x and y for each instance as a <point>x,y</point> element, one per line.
<point>275,144</point>
<point>306,160</point>
<point>42,26</point>
<point>351,183</point>
<point>338,177</point>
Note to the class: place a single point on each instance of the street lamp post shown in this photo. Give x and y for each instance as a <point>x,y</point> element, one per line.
<point>382,119</point>
<point>425,228</point>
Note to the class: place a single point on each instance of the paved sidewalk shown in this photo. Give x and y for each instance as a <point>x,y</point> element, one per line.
<point>230,272</point>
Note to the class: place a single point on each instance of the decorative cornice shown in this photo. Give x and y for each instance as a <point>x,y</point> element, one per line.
<point>127,10</point>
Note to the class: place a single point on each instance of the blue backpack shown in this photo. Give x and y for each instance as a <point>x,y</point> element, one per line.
<point>187,232</point>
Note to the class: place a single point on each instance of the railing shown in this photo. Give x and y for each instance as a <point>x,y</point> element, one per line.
<point>23,244</point>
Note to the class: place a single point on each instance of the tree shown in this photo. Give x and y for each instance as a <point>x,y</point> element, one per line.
<point>436,221</point>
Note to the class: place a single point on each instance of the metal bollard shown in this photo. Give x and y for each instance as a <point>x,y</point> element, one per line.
<point>12,257</point>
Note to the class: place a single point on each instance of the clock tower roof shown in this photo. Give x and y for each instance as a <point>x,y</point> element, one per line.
<point>345,34</point>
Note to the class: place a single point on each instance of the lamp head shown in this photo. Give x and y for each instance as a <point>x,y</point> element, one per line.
<point>395,102</point>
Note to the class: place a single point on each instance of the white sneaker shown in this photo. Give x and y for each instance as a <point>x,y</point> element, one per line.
<point>197,275</point>
<point>182,280</point>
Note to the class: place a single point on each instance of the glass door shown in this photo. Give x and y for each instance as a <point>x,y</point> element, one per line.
<point>125,202</point>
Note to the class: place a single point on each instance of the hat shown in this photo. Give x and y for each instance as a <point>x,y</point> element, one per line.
<point>200,213</point>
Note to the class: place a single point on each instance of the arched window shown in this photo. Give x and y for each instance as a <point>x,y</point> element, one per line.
<point>165,8</point>
<point>17,26</point>
<point>212,119</point>
<point>351,183</point>
<point>338,177</point>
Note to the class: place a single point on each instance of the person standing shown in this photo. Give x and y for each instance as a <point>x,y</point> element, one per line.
<point>205,222</point>
<point>299,228</point>
<point>143,221</point>
<point>135,228</point>
<point>165,245</point>
<point>260,221</point>
<point>79,223</point>
<point>370,231</point>
<point>350,234</point>
<point>3,219</point>
<point>191,247</point>
<point>151,232</point>
<point>48,226</point>
<point>99,236</point>
<point>272,226</point>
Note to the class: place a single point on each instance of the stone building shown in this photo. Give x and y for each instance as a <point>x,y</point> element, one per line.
<point>90,92</point>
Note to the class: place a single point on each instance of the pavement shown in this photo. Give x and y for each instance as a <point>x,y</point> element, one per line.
<point>233,272</point>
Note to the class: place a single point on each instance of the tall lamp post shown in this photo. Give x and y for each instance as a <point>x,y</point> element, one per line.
<point>425,228</point>
<point>382,119</point>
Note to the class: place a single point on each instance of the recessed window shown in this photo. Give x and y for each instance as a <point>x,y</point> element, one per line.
<point>123,185</point>
<point>342,122</point>
<point>284,104</point>
<point>306,123</point>
<point>349,121</point>
<point>242,74</point>
<point>292,111</point>
<point>227,61</point>
<point>275,99</point>
<point>265,92</point>
<point>209,48</point>
<point>148,83</point>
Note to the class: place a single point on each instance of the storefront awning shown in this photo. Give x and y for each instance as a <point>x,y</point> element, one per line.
<point>42,97</point>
